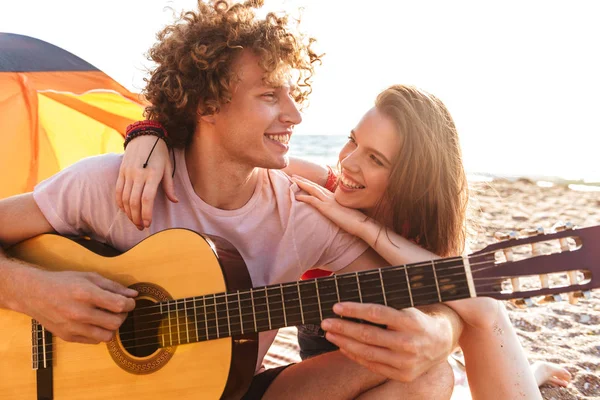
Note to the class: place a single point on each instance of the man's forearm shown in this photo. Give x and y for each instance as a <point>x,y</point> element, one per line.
<point>11,272</point>
<point>449,321</point>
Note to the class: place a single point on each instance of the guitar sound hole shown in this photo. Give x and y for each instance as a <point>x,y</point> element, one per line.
<point>139,332</point>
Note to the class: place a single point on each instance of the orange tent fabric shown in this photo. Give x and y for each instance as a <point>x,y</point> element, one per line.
<point>55,109</point>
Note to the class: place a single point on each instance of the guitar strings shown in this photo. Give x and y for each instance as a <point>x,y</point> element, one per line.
<point>309,283</point>
<point>173,313</point>
<point>175,327</point>
<point>181,342</point>
<point>235,324</point>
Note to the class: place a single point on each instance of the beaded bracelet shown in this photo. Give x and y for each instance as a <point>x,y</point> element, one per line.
<point>141,128</point>
<point>152,132</point>
<point>152,128</point>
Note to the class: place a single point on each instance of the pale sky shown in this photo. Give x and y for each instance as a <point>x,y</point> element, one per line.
<point>521,78</point>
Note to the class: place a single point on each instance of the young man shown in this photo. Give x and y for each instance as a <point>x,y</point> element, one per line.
<point>223,90</point>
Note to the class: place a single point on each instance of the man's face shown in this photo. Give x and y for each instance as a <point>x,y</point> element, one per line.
<point>254,129</point>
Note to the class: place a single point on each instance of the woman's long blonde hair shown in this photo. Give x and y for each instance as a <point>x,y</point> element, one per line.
<point>427,195</point>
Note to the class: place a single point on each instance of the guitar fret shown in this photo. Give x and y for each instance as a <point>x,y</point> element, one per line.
<point>347,288</point>
<point>412,304</point>
<point>310,302</point>
<point>437,285</point>
<point>216,314</point>
<point>177,322</point>
<point>327,296</point>
<point>240,308</point>
<point>195,318</point>
<point>382,288</point>
<point>358,284</point>
<point>300,302</point>
<point>283,305</point>
<point>253,310</point>
<point>187,327</point>
<point>205,316</point>
<point>318,299</point>
<point>160,305</point>
<point>453,280</point>
<point>268,310</point>
<point>337,289</point>
<point>169,317</point>
<point>227,308</point>
<point>291,306</point>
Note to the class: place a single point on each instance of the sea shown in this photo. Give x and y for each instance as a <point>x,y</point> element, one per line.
<point>324,149</point>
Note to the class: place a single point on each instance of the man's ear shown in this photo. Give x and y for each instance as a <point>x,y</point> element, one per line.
<point>209,119</point>
<point>206,118</point>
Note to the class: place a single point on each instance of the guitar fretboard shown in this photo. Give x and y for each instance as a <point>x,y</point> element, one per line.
<point>308,302</point>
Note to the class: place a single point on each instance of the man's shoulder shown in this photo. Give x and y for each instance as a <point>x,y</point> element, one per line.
<point>99,163</point>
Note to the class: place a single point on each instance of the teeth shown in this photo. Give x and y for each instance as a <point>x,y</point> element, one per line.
<point>285,139</point>
<point>350,184</point>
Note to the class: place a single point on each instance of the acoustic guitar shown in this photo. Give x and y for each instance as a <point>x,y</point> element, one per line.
<point>194,331</point>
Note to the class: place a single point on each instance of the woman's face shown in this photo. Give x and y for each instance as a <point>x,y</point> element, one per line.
<point>366,162</point>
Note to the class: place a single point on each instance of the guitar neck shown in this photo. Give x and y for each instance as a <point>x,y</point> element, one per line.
<point>309,302</point>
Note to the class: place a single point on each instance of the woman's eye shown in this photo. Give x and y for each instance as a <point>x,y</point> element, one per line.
<point>269,95</point>
<point>376,160</point>
<point>351,139</point>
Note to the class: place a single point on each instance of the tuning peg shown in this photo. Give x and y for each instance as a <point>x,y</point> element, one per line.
<point>523,303</point>
<point>586,294</point>
<point>508,254</point>
<point>535,247</point>
<point>551,298</point>
<point>562,226</point>
<point>564,246</point>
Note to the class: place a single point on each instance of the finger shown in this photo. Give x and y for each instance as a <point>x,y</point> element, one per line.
<point>363,333</point>
<point>97,333</point>
<point>105,320</point>
<point>135,201</point>
<point>557,381</point>
<point>119,190</point>
<point>83,340</point>
<point>310,187</point>
<point>168,185</point>
<point>126,194</point>
<point>88,334</point>
<point>308,199</point>
<point>148,197</point>
<point>381,369</point>
<point>114,296</point>
<point>360,351</point>
<point>113,287</point>
<point>381,315</point>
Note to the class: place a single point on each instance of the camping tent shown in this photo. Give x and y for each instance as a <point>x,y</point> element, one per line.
<point>55,109</point>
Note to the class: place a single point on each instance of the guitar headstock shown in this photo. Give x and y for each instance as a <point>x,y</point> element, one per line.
<point>533,266</point>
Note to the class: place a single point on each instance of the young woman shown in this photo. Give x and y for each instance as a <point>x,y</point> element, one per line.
<point>400,178</point>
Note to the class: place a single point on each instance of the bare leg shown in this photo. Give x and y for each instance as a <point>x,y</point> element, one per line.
<point>333,376</point>
<point>497,367</point>
<point>551,373</point>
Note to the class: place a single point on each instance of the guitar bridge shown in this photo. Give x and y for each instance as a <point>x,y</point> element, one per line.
<point>41,359</point>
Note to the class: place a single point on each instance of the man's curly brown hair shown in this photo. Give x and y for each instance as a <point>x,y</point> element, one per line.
<point>194,58</point>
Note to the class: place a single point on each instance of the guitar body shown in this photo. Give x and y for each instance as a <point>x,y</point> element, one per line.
<point>173,264</point>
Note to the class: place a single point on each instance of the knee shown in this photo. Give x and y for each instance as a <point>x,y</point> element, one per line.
<point>437,383</point>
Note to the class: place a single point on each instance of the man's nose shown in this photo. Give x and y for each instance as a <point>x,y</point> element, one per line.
<point>290,113</point>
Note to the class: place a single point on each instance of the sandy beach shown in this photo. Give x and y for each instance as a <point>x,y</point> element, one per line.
<point>560,332</point>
